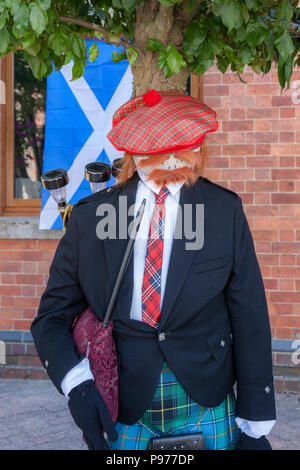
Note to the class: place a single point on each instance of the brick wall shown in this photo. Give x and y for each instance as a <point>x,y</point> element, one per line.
<point>24,267</point>
<point>256,152</point>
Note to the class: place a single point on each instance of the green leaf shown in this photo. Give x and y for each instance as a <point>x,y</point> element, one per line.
<point>216,45</point>
<point>68,57</point>
<point>93,52</point>
<point>3,17</point>
<point>57,42</point>
<point>114,38</point>
<point>245,11</point>
<point>78,46</point>
<point>78,69</point>
<point>38,67</point>
<point>270,50</point>
<point>4,39</point>
<point>162,60</point>
<point>38,18</point>
<point>286,10</point>
<point>281,72</point>
<point>193,38</point>
<point>257,32</point>
<point>29,39</point>
<point>175,60</point>
<point>267,66</point>
<point>98,34</point>
<point>240,35</point>
<point>21,15</point>
<point>206,51</point>
<point>128,4</point>
<point>58,61</point>
<point>132,55</point>
<point>222,64</point>
<point>18,30</point>
<point>117,4</point>
<point>256,68</point>
<point>44,4</point>
<point>203,65</point>
<point>33,49</point>
<point>191,5</point>
<point>10,3</point>
<point>118,56</point>
<point>285,45</point>
<point>288,70</point>
<point>13,6</point>
<point>246,54</point>
<point>154,45</point>
<point>252,5</point>
<point>231,13</point>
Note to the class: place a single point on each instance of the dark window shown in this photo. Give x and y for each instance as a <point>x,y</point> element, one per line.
<point>29,127</point>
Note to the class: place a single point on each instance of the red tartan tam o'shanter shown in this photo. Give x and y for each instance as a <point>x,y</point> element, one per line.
<point>161,122</point>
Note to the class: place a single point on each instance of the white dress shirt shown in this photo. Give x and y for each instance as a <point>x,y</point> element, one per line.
<point>146,190</point>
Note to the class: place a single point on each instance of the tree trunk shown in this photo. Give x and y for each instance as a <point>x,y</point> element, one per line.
<point>147,76</point>
<point>157,21</point>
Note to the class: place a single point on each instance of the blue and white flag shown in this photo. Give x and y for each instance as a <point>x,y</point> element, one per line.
<point>78,118</point>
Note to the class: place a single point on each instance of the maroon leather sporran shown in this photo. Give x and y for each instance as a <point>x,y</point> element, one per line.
<point>97,342</point>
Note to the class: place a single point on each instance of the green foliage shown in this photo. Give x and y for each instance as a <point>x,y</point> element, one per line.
<point>132,54</point>
<point>93,52</point>
<point>228,33</point>
<point>118,56</point>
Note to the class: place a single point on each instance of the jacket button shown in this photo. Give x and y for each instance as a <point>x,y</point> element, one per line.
<point>161,337</point>
<point>222,343</point>
<point>267,389</point>
<point>46,363</point>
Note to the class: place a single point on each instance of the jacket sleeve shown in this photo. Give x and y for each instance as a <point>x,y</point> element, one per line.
<point>60,303</point>
<point>252,344</point>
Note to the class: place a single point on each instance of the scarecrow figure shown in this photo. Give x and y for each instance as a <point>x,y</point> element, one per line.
<point>191,316</point>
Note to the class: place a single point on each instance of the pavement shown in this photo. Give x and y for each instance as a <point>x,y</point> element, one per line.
<point>34,416</point>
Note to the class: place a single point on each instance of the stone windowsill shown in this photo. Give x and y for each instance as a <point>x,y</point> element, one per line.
<point>25,228</point>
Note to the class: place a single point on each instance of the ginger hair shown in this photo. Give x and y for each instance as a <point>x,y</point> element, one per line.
<point>197,160</point>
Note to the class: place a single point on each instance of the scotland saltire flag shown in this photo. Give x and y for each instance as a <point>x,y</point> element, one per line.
<point>78,118</point>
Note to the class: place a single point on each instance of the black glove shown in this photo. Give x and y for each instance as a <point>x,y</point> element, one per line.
<point>250,443</point>
<point>91,415</point>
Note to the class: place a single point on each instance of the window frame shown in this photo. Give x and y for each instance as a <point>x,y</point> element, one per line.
<point>11,206</point>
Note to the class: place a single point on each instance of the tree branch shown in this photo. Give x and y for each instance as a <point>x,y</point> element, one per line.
<point>95,27</point>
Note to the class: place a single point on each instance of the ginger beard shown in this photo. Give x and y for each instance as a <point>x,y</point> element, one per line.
<point>162,169</point>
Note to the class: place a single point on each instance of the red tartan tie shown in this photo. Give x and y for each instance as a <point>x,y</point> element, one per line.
<point>151,289</point>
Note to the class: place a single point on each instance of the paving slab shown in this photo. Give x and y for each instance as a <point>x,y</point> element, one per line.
<point>34,416</point>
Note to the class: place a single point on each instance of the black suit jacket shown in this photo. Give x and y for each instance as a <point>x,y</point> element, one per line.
<point>214,327</point>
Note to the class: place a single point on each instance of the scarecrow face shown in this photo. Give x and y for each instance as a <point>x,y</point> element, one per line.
<point>169,168</point>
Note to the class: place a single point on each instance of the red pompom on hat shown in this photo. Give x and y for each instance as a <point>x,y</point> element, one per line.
<point>161,122</point>
<point>151,98</point>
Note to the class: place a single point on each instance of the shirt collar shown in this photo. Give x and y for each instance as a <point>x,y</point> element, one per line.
<point>172,187</point>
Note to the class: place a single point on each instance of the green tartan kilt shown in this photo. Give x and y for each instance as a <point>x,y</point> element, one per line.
<point>173,412</point>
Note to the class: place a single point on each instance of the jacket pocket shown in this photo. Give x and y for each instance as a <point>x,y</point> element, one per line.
<point>219,342</point>
<point>211,264</point>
